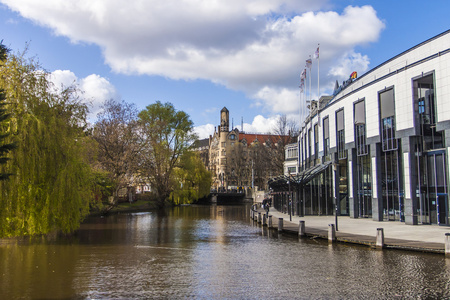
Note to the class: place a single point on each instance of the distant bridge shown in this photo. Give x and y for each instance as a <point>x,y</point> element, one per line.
<point>229,196</point>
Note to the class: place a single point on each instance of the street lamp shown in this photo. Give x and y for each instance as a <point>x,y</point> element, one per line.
<point>290,198</point>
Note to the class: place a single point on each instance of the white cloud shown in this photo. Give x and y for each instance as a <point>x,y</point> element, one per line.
<point>261,124</point>
<point>348,63</point>
<point>255,46</point>
<point>204,131</point>
<point>94,88</point>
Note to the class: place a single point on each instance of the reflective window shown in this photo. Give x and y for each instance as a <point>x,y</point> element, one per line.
<point>340,140</point>
<point>387,115</point>
<point>360,128</point>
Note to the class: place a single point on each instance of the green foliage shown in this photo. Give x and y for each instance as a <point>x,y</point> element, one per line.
<point>168,134</point>
<point>50,189</point>
<point>5,148</point>
<point>192,180</point>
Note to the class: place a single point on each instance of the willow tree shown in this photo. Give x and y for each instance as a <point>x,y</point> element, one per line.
<point>192,179</point>
<point>168,134</point>
<point>5,147</point>
<point>50,188</point>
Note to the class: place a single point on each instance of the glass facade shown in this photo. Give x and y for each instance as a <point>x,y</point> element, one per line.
<point>431,200</point>
<point>390,160</point>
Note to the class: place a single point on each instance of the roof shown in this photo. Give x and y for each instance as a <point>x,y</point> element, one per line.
<point>262,138</point>
<point>201,143</point>
<point>283,182</point>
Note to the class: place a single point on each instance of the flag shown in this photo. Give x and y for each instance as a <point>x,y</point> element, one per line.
<point>316,54</point>
<point>353,75</point>
<point>309,63</point>
<point>303,75</point>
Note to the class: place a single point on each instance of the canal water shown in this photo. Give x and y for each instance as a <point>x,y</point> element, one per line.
<point>209,252</point>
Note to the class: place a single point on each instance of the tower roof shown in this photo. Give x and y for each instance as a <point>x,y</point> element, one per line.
<point>224,109</point>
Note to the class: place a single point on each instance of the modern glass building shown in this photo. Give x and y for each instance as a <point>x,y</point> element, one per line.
<point>379,147</point>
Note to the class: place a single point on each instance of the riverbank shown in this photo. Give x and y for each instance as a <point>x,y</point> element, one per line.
<point>127,207</point>
<point>397,235</point>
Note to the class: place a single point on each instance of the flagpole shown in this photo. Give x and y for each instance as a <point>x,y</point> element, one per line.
<point>318,77</point>
<point>310,97</point>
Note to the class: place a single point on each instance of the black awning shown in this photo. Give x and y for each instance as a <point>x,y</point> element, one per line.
<point>310,173</point>
<point>283,182</point>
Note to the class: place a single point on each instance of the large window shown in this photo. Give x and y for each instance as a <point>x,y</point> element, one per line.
<point>326,138</point>
<point>425,102</point>
<point>387,116</point>
<point>432,204</point>
<point>390,160</point>
<point>309,147</point>
<point>340,140</point>
<point>316,142</point>
<point>360,128</point>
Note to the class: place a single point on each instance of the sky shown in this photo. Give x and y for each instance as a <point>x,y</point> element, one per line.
<point>203,55</point>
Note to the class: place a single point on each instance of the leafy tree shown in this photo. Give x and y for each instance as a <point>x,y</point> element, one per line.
<point>192,180</point>
<point>119,142</point>
<point>50,189</point>
<point>5,148</point>
<point>168,134</point>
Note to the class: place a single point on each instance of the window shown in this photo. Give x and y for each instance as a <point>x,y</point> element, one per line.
<point>387,116</point>
<point>292,170</point>
<point>340,139</point>
<point>292,152</point>
<point>316,141</point>
<point>232,137</point>
<point>424,98</point>
<point>360,128</point>
<point>326,136</point>
<point>224,144</point>
<point>309,145</point>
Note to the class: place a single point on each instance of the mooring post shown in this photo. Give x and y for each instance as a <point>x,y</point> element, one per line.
<point>447,244</point>
<point>380,238</point>
<point>264,220</point>
<point>280,224</point>
<point>270,221</point>
<point>301,228</point>
<point>331,233</point>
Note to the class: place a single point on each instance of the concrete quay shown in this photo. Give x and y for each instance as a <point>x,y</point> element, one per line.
<point>394,235</point>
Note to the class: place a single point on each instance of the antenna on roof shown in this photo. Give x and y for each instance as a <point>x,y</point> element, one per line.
<point>242,124</point>
<point>232,123</point>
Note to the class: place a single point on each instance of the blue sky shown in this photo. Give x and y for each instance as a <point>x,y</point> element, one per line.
<point>200,55</point>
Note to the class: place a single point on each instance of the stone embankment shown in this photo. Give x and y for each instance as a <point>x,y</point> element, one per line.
<point>389,234</point>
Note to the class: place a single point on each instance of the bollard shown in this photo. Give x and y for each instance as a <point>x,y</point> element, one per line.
<point>264,220</point>
<point>255,216</point>
<point>251,213</point>
<point>280,224</point>
<point>331,233</point>
<point>447,244</point>
<point>380,238</point>
<point>270,221</point>
<point>259,217</point>
<point>301,228</point>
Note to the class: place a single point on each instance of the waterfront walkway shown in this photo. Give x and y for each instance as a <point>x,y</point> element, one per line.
<point>397,235</point>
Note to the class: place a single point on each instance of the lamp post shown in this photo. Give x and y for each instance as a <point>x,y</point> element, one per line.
<point>290,198</point>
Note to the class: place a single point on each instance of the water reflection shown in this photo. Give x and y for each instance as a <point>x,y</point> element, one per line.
<point>210,252</point>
